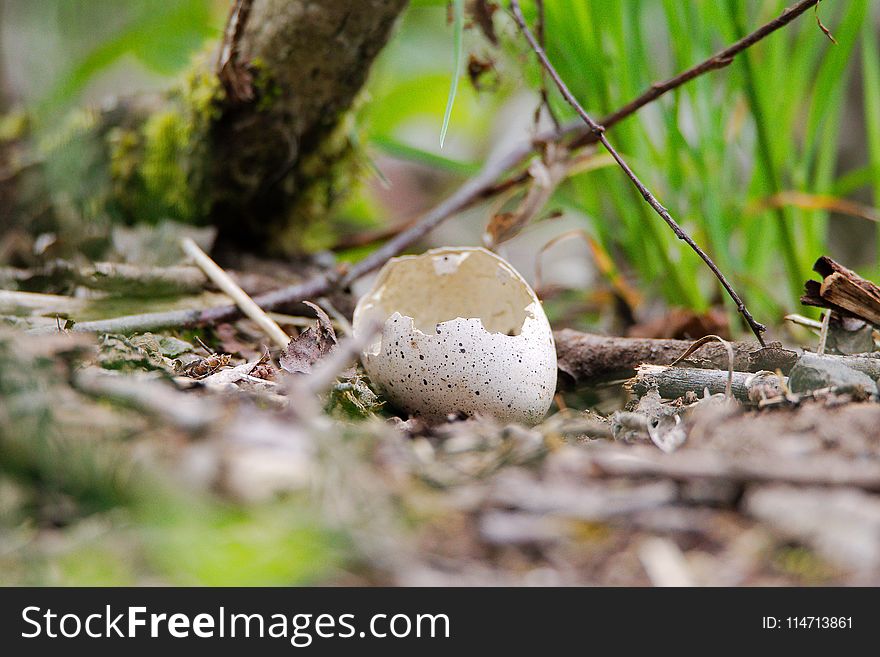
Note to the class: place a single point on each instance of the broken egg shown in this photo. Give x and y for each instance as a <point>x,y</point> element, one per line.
<point>461,331</point>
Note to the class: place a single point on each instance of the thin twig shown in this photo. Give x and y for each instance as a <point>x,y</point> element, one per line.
<point>545,98</point>
<point>800,320</point>
<point>340,319</point>
<point>222,280</point>
<point>823,332</point>
<point>822,27</point>
<point>599,131</point>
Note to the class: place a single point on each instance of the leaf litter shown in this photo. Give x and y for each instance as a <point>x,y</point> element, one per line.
<point>777,489</point>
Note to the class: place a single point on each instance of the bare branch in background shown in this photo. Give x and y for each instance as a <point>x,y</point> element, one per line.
<point>599,131</point>
<point>545,99</point>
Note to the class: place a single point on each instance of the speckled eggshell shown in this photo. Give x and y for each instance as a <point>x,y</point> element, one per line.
<point>461,332</point>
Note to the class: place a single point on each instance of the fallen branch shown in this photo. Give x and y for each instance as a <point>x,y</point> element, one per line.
<point>113,277</point>
<point>34,303</point>
<point>675,382</point>
<point>599,131</point>
<point>589,358</point>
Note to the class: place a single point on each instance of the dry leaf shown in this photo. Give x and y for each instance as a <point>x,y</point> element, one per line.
<point>546,173</point>
<point>310,346</point>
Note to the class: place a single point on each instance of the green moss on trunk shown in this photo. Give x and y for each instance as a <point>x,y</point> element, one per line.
<point>266,171</point>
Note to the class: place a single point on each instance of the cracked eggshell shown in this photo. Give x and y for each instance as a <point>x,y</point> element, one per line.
<point>461,331</point>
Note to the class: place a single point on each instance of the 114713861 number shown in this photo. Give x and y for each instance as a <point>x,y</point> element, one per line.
<point>819,622</point>
<point>807,622</point>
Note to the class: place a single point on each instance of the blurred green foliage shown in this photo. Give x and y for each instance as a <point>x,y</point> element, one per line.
<point>160,36</point>
<point>712,150</point>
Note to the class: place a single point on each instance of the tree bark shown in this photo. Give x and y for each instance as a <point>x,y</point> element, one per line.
<point>280,159</point>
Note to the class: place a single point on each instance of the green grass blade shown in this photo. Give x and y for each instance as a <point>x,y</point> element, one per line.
<point>458,27</point>
<point>403,151</point>
<point>855,179</point>
<point>871,84</point>
<point>767,165</point>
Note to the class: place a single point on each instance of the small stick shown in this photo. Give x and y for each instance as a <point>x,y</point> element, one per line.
<point>545,98</point>
<point>675,382</point>
<point>599,131</point>
<point>340,320</point>
<point>800,320</point>
<point>823,333</point>
<point>822,27</point>
<point>222,280</point>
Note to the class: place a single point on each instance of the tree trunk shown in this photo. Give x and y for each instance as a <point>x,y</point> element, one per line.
<point>282,159</point>
<point>263,150</point>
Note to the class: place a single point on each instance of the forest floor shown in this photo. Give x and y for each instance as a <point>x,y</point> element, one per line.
<point>629,481</point>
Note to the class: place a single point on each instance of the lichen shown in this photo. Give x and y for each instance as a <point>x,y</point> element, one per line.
<point>159,169</point>
<point>167,137</point>
<point>353,399</point>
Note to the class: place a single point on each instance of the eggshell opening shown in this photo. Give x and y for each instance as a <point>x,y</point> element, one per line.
<point>462,332</point>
